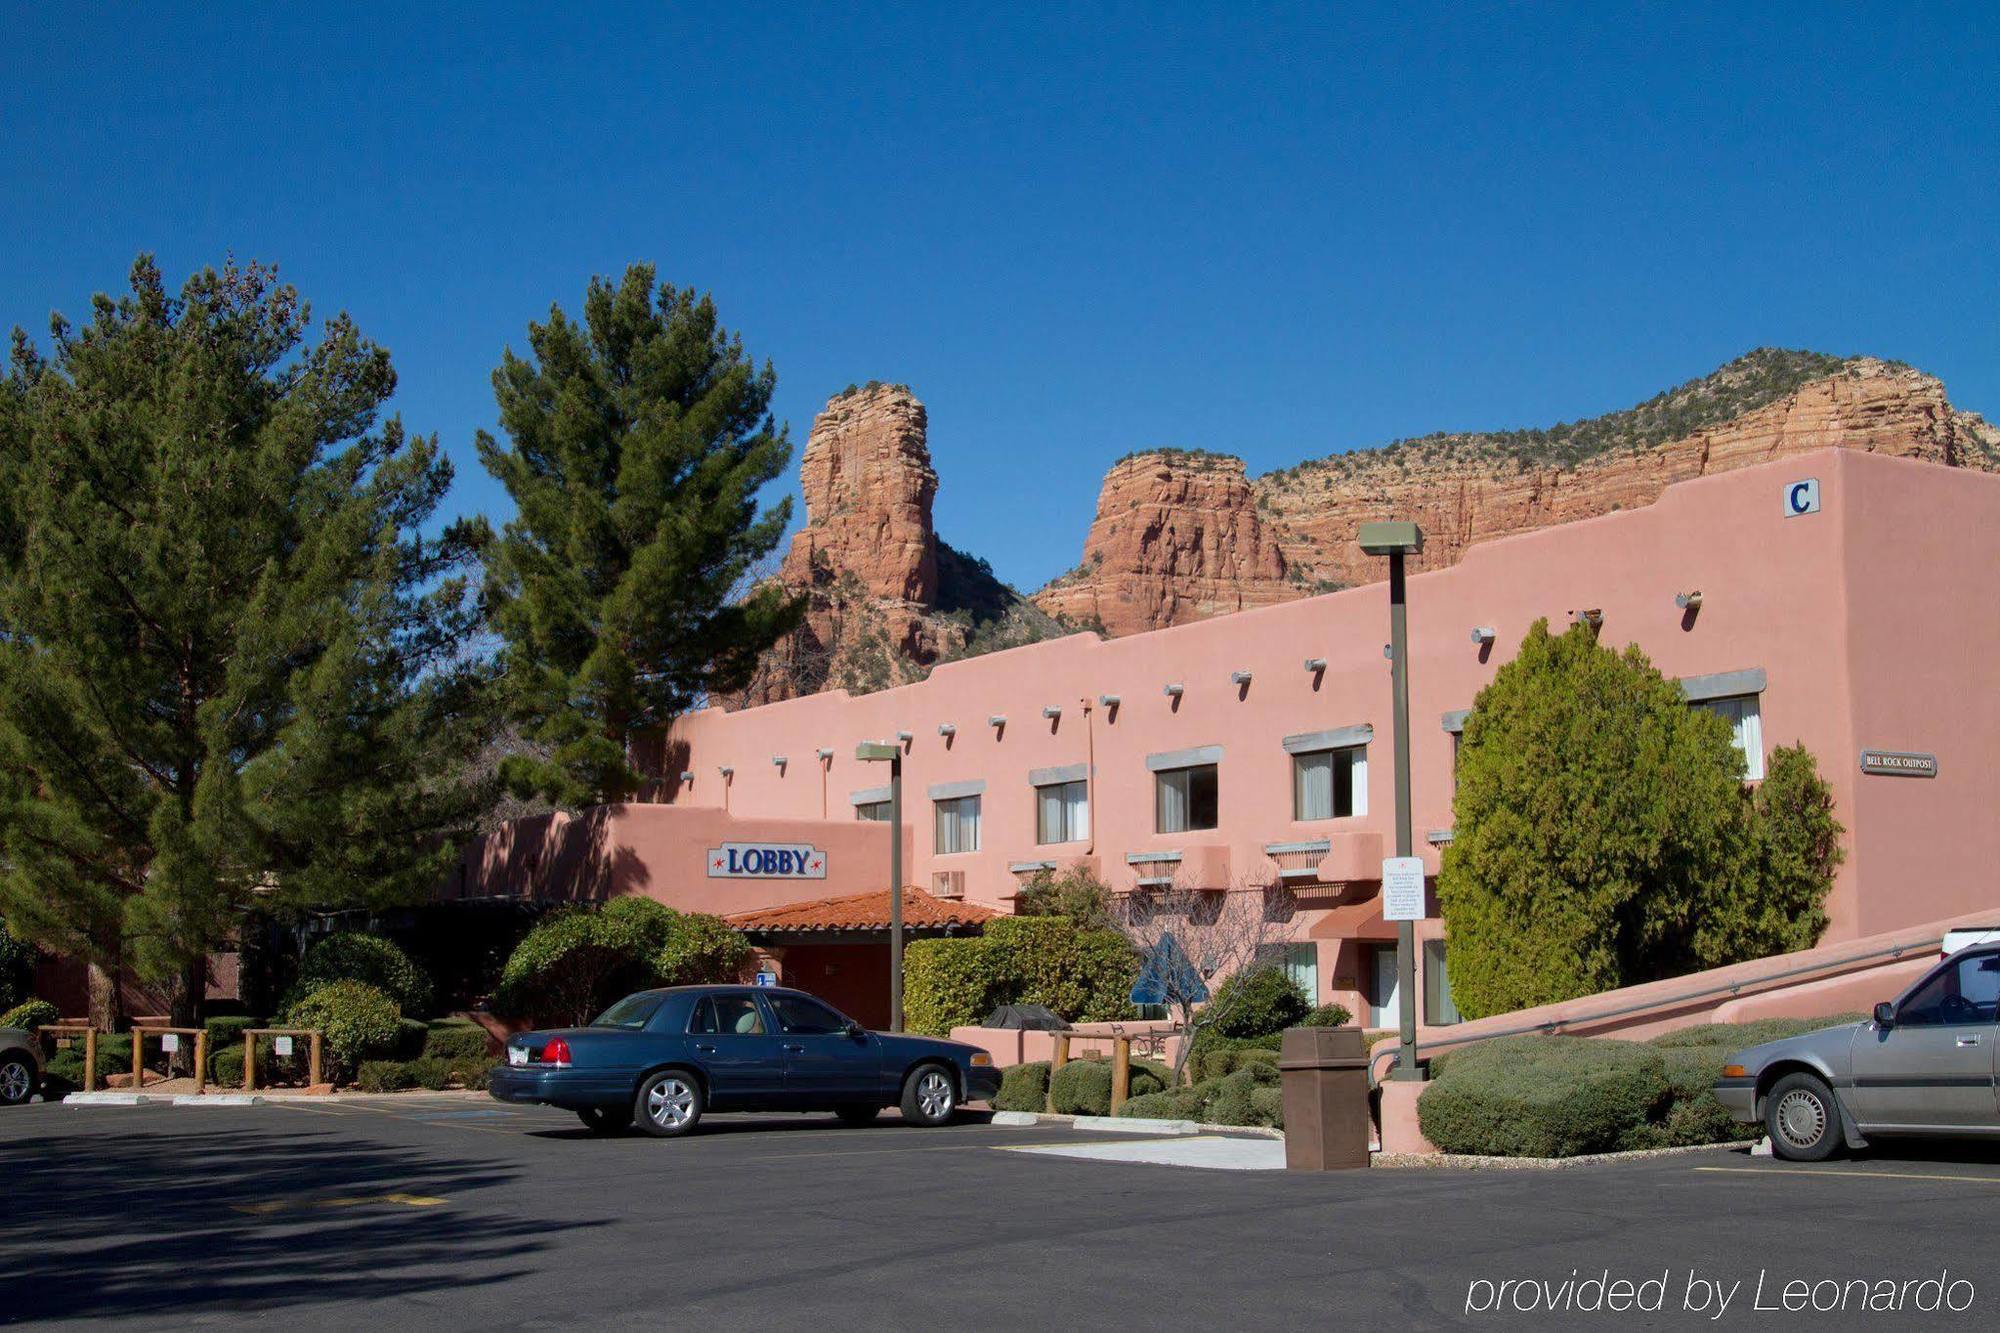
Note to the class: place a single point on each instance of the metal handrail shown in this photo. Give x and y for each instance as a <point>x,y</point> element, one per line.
<point>1550,1025</point>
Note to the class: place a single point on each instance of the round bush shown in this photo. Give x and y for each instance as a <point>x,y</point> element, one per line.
<point>1327,1016</point>
<point>1258,1002</point>
<point>472,1072</point>
<point>359,1021</point>
<point>459,1041</point>
<point>700,949</point>
<point>383,1076</point>
<point>30,1015</point>
<point>351,956</point>
<point>1545,1097</point>
<point>1023,1087</point>
<point>1269,1104</point>
<point>428,1072</point>
<point>1173,1104</point>
<point>225,1066</point>
<point>1082,1087</point>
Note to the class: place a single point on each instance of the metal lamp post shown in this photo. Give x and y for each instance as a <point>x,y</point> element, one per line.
<point>877,751</point>
<point>1397,540</point>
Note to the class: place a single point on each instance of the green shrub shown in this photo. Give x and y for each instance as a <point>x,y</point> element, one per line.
<point>1546,1097</point>
<point>949,983</point>
<point>456,1039</point>
<point>1082,1087</point>
<point>411,1036</point>
<point>1023,1087</point>
<point>1221,1062</point>
<point>1149,1077</point>
<point>473,1071</point>
<point>370,959</point>
<point>30,1015</point>
<point>359,1022</point>
<point>1076,893</point>
<point>114,1056</point>
<point>1084,975</point>
<point>577,961</point>
<point>1258,1001</point>
<point>17,968</point>
<point>1737,1036</point>
<point>700,949</point>
<point>383,1076</point>
<point>1173,1104</point>
<point>1232,1099</point>
<point>225,1067</point>
<point>429,1072</point>
<point>228,1030</point>
<point>1269,1103</point>
<point>1327,1016</point>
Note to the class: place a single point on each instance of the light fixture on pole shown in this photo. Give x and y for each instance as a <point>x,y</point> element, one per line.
<point>1397,541</point>
<point>892,753</point>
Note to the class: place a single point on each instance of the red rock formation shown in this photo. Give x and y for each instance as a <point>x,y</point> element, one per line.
<point>868,485</point>
<point>1177,538</point>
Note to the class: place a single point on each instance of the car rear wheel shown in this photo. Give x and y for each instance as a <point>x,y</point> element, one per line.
<point>606,1119</point>
<point>669,1104</point>
<point>1802,1118</point>
<point>857,1115</point>
<point>929,1096</point>
<point>17,1080</point>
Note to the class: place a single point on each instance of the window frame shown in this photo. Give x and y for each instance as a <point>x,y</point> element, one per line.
<point>1739,740</point>
<point>1357,783</point>
<point>978,821</point>
<point>1069,832</point>
<point>883,806</point>
<point>1162,777</point>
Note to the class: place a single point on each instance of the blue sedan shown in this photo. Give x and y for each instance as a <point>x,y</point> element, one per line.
<point>661,1058</point>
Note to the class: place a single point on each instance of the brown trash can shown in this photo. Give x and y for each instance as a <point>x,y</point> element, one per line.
<point>1325,1073</point>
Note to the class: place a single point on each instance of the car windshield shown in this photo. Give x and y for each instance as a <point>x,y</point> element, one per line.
<point>630,1012</point>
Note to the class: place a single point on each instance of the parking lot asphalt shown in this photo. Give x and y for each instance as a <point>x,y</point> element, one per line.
<point>450,1213</point>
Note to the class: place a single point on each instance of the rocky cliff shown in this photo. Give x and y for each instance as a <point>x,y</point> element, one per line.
<point>885,599</point>
<point>1148,565</point>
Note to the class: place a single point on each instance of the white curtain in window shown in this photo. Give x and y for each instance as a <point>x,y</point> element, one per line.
<point>1312,785</point>
<point>1076,810</point>
<point>1746,727</point>
<point>958,825</point>
<point>1173,801</point>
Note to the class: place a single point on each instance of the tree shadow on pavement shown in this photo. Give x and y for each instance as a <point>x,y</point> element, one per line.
<point>168,1224</point>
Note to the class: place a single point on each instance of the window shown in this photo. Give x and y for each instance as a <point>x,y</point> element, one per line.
<point>726,1014</point>
<point>630,1012</point>
<point>1300,962</point>
<point>957,825</point>
<point>1185,798</point>
<point>878,811</point>
<point>1966,990</point>
<point>1740,712</point>
<point>1330,784</point>
<point>1062,812</point>
<point>796,1013</point>
<point>1439,1011</point>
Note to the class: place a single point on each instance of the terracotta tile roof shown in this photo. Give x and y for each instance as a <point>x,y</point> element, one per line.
<point>864,911</point>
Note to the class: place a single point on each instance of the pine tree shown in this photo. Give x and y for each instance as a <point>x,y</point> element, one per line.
<point>638,440</point>
<point>231,666</point>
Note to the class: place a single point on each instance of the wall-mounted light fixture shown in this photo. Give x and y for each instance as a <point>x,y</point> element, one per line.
<point>687,777</point>
<point>779,761</point>
<point>947,729</point>
<point>1484,634</point>
<point>1239,678</point>
<point>1108,700</point>
<point>1593,617</point>
<point>1052,712</point>
<point>905,737</point>
<point>726,770</point>
<point>1315,664</point>
<point>997,720</point>
<point>1688,601</point>
<point>1176,691</point>
<point>825,753</point>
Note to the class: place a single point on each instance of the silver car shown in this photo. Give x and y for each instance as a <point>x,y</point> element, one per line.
<point>20,1065</point>
<point>1923,1065</point>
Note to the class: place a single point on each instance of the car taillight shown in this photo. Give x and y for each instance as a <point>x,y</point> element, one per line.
<point>556,1052</point>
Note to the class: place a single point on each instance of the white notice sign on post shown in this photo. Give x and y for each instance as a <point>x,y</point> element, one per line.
<point>1403,888</point>
<point>283,1045</point>
<point>170,1042</point>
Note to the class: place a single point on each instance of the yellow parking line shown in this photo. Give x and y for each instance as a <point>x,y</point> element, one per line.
<point>280,1205</point>
<point>1837,1174</point>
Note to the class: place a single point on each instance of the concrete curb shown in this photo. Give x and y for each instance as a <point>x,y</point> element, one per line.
<point>111,1099</point>
<point>219,1099</point>
<point>1134,1124</point>
<point>1131,1124</point>
<point>1465,1162</point>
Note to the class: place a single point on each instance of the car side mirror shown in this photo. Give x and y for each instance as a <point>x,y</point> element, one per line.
<point>1885,1015</point>
<point>854,1029</point>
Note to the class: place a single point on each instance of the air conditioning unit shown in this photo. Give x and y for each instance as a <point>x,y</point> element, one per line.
<point>947,884</point>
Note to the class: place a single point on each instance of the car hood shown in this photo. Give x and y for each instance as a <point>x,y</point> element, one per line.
<point>904,1043</point>
<point>1827,1046</point>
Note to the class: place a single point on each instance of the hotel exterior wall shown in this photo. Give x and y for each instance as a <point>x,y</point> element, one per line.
<point>1776,596</point>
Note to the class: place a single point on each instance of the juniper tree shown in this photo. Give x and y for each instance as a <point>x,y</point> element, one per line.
<point>638,440</point>
<point>230,659</point>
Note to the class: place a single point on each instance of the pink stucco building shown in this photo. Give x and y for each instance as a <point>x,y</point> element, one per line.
<point>1855,613</point>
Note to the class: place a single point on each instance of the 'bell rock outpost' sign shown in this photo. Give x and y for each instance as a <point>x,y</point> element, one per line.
<point>1899,763</point>
<point>766,860</point>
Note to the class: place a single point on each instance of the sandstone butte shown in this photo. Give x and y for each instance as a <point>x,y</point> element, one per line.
<point>1182,535</point>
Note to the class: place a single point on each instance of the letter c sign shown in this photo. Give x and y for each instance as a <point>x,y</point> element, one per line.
<point>1802,497</point>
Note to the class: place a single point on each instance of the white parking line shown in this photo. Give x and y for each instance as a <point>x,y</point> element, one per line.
<point>1840,1174</point>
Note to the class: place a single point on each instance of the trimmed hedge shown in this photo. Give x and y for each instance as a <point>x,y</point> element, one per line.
<point>1084,975</point>
<point>383,1076</point>
<point>1545,1097</point>
<point>114,1056</point>
<point>430,1073</point>
<point>30,1014</point>
<point>948,983</point>
<point>1327,1016</point>
<point>370,959</point>
<point>1248,1096</point>
<point>456,1039</point>
<point>1083,1087</point>
<point>578,961</point>
<point>360,1022</point>
<point>1023,1087</point>
<point>473,1072</point>
<point>225,1067</point>
<point>1219,1063</point>
<point>1257,1002</point>
<point>699,950</point>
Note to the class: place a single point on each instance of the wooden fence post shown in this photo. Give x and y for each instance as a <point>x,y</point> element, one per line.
<point>200,1059</point>
<point>1121,1071</point>
<point>312,1076</point>
<point>249,1062</point>
<point>90,1059</point>
<point>1057,1059</point>
<point>138,1055</point>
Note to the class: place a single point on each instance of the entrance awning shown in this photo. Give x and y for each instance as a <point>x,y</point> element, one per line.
<point>859,917</point>
<point>1356,921</point>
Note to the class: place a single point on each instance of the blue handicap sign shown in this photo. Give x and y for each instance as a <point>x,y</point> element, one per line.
<point>1168,977</point>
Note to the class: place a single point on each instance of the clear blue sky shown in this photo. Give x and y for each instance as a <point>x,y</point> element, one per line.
<point>1076,231</point>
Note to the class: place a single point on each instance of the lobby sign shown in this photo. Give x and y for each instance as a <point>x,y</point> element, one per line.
<point>1899,763</point>
<point>1802,497</point>
<point>766,860</point>
<point>1403,888</point>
